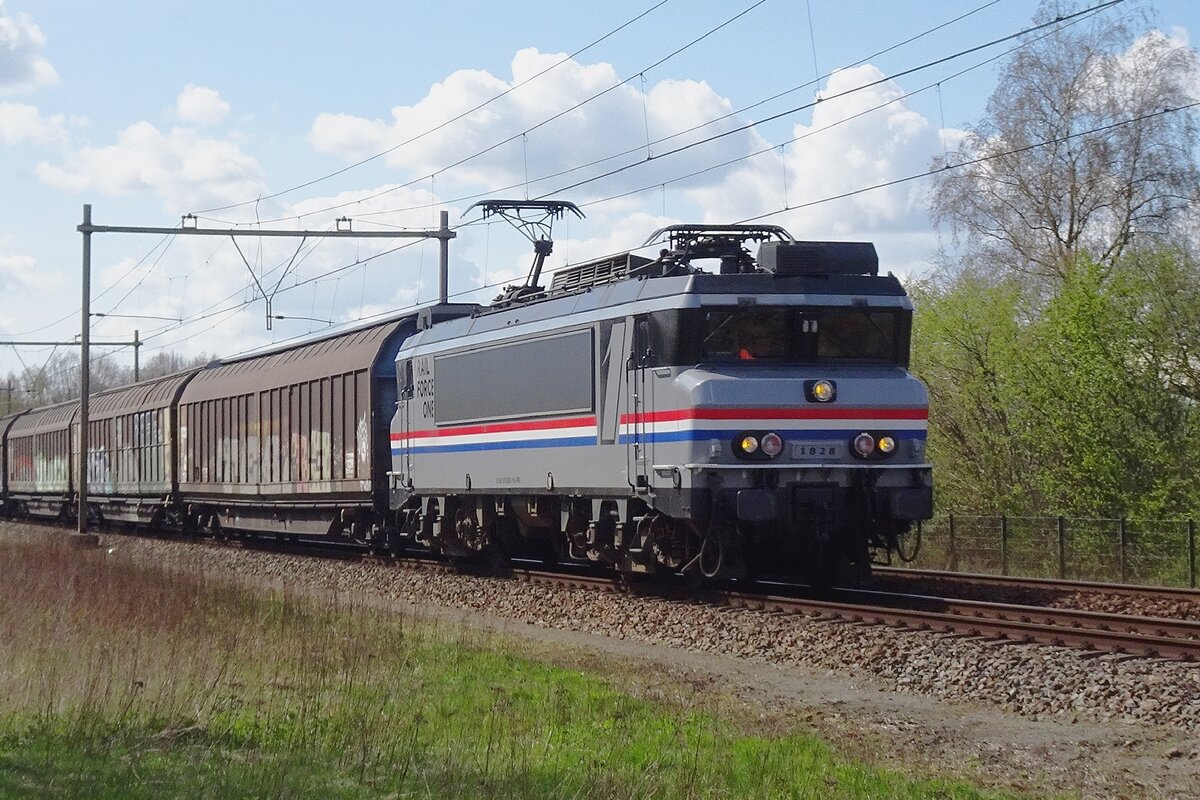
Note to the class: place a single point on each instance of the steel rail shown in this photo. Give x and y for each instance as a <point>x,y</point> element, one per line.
<point>1087,630</point>
<point>1143,636</point>
<point>1167,592</point>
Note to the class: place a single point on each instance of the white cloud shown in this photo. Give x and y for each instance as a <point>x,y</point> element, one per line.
<point>23,123</point>
<point>200,105</point>
<point>23,68</point>
<point>1179,38</point>
<point>615,121</point>
<point>1154,59</point>
<point>185,170</point>
<point>16,270</point>
<point>20,273</point>
<point>346,280</point>
<point>866,138</point>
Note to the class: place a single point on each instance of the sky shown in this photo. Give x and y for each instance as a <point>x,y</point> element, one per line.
<point>290,115</point>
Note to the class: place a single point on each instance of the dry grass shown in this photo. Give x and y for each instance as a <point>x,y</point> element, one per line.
<point>121,681</point>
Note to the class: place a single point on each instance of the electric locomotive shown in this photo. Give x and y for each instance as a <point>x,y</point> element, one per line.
<point>757,418</point>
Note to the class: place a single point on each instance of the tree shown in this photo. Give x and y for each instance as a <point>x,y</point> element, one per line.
<point>1084,403</point>
<point>1079,151</point>
<point>1063,351</point>
<point>967,345</point>
<point>1170,320</point>
<point>1111,435</point>
<point>57,380</point>
<point>165,363</point>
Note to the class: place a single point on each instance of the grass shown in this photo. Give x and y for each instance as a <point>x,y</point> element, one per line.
<point>118,681</point>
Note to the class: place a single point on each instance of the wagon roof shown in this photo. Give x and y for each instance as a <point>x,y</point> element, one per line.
<point>6,423</point>
<point>41,420</point>
<point>144,396</point>
<point>335,355</point>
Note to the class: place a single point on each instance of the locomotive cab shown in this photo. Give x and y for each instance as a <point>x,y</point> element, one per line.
<point>790,430</point>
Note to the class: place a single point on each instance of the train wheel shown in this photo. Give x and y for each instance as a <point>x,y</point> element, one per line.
<point>557,550</point>
<point>908,542</point>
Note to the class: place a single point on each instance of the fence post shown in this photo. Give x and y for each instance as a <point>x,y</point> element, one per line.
<point>1121,553</point>
<point>1003,544</point>
<point>1062,548</point>
<point>953,547</point>
<point>1192,553</point>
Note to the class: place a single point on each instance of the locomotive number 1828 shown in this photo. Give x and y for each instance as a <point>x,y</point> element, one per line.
<point>816,450</point>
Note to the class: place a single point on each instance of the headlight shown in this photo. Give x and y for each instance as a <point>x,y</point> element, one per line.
<point>874,445</point>
<point>772,444</point>
<point>757,445</point>
<point>820,391</point>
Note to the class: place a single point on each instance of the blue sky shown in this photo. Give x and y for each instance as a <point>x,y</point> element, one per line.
<point>148,110</point>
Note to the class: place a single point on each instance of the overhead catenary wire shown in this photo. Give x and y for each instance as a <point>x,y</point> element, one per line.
<point>650,144</point>
<point>748,126</point>
<point>1067,18</point>
<point>974,161</point>
<point>75,313</point>
<point>537,126</point>
<point>447,122</point>
<point>811,132</point>
<point>298,337</point>
<point>1096,8</point>
<point>214,310</point>
<point>221,314</point>
<point>1071,19</point>
<point>140,281</point>
<point>916,176</point>
<point>820,201</point>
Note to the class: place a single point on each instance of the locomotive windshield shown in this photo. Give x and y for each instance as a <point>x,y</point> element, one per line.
<point>755,333</point>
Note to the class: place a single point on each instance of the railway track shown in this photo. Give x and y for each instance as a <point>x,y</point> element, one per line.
<point>1093,631</point>
<point>1087,630</point>
<point>1040,584</point>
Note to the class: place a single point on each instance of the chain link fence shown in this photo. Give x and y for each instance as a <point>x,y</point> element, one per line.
<point>1147,552</point>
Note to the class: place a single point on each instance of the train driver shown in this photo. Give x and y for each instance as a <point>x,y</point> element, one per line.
<point>756,338</point>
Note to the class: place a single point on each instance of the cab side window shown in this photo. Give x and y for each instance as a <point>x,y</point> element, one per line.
<point>406,381</point>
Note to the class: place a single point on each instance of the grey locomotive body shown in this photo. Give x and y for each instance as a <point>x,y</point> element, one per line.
<point>653,416</point>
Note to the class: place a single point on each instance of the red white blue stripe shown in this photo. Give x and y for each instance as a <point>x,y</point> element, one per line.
<point>801,423</point>
<point>563,432</point>
<point>797,423</point>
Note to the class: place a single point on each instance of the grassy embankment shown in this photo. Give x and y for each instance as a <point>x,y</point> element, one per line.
<point>118,681</point>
